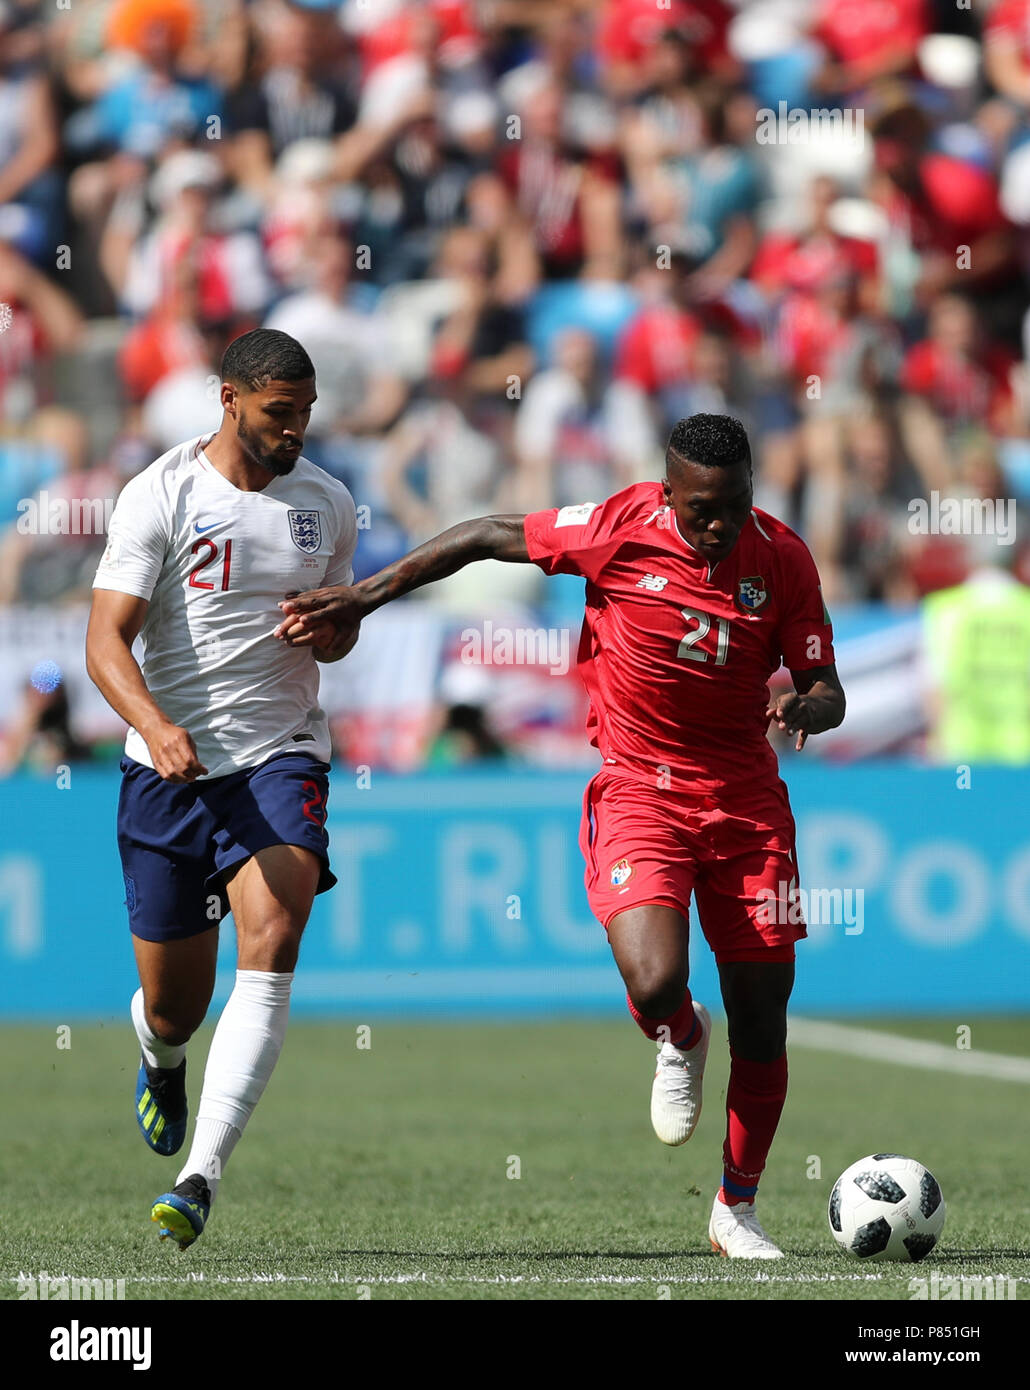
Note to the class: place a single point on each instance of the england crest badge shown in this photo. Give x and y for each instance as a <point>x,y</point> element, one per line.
<point>306,530</point>
<point>752,593</point>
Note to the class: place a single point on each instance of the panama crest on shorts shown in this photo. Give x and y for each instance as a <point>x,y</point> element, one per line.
<point>306,530</point>
<point>621,873</point>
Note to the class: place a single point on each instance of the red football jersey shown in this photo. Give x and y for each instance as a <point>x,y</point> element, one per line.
<point>675,653</point>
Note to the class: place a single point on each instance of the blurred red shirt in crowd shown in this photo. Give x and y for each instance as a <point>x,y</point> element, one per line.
<point>870,32</point>
<point>962,377</point>
<point>1009,21</point>
<point>449,26</point>
<point>629,29</point>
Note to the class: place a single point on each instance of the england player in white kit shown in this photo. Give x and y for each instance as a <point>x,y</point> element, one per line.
<point>223,799</point>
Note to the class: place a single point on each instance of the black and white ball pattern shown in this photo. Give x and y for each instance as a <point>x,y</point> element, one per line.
<point>886,1207</point>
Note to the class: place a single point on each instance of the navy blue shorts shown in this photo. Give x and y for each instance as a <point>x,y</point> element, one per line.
<point>177,839</point>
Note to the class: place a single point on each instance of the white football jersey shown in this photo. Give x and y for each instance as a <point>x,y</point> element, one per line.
<point>214,562</point>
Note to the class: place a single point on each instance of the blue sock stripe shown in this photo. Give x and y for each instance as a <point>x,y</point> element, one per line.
<point>736,1190</point>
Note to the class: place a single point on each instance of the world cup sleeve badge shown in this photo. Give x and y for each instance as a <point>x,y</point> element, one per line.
<point>752,593</point>
<point>622,872</point>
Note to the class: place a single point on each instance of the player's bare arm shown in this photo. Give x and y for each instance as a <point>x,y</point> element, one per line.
<point>483,538</point>
<point>115,621</point>
<point>816,704</point>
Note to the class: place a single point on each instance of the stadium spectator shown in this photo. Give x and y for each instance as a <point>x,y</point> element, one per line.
<point>40,321</point>
<point>865,43</point>
<point>442,463</point>
<point>484,336</point>
<point>31,193</point>
<point>568,195</point>
<point>577,435</point>
<point>358,390</point>
<point>978,493</point>
<point>631,30</point>
<point>977,655</point>
<point>232,284</point>
<point>657,350</point>
<point>1007,49</point>
<point>558,55</point>
<point>455,283</point>
<point>464,736</point>
<point>299,92</point>
<point>963,377</point>
<point>168,340</point>
<point>39,736</point>
<point>954,378</point>
<point>868,555</point>
<point>302,86</point>
<point>31,456</point>
<point>50,551</point>
<point>150,96</point>
<point>462,465</point>
<point>945,208</point>
<point>405,47</point>
<point>299,210</point>
<point>801,259</point>
<point>702,198</point>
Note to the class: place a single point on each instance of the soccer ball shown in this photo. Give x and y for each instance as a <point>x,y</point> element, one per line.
<point>886,1207</point>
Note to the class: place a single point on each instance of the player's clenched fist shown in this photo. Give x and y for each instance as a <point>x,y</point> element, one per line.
<point>174,753</point>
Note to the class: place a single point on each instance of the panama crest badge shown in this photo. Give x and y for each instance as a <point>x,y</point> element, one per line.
<point>752,593</point>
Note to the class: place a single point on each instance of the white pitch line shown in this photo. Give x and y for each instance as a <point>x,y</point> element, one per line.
<point>423,1278</point>
<point>905,1052</point>
<point>589,1280</point>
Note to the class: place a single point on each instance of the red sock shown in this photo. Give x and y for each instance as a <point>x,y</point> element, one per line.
<point>682,1025</point>
<point>754,1100</point>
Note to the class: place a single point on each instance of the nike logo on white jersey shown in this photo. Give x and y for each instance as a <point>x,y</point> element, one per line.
<point>202,529</point>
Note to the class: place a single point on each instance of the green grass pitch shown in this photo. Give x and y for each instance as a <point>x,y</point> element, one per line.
<point>389,1172</point>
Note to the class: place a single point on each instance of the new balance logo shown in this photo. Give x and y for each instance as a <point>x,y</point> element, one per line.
<point>655,582</point>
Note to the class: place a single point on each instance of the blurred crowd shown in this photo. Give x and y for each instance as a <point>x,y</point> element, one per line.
<point>520,239</point>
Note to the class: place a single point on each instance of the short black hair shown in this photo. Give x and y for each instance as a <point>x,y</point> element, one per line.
<point>263,355</point>
<point>715,441</point>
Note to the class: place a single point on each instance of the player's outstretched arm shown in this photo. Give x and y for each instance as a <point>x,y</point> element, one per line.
<point>484,538</point>
<point>115,620</point>
<point>817,705</point>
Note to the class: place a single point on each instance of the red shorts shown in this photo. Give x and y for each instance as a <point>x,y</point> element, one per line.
<point>646,845</point>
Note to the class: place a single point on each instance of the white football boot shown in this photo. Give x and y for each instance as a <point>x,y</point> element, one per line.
<point>734,1231</point>
<point>676,1093</point>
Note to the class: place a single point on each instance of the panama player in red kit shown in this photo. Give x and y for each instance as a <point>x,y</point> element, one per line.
<point>693,599</point>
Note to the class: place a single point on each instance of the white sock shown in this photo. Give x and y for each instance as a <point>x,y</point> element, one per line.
<point>244,1051</point>
<point>156,1052</point>
<point>213,1142</point>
